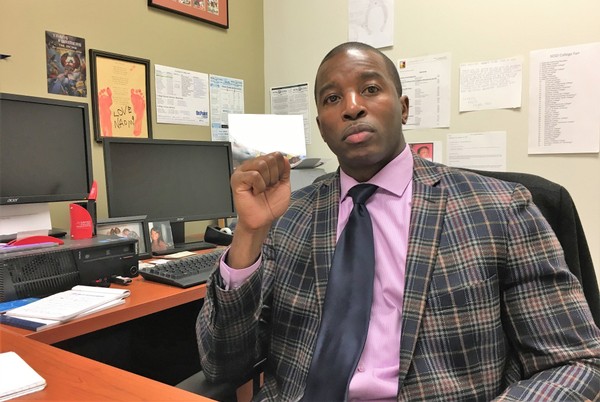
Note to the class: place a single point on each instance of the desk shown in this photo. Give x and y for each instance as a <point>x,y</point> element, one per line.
<point>146,298</point>
<point>73,377</point>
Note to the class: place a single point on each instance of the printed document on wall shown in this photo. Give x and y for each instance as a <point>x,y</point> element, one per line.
<point>292,99</point>
<point>371,22</point>
<point>480,150</point>
<point>226,97</point>
<point>181,96</point>
<point>492,84</point>
<point>426,82</point>
<point>564,100</point>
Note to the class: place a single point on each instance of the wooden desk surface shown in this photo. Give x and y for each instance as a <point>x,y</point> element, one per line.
<point>71,377</point>
<point>146,298</point>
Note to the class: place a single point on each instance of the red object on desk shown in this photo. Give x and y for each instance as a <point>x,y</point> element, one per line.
<point>82,225</point>
<point>35,240</point>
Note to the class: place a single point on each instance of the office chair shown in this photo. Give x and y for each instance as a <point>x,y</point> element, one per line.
<point>557,206</point>
<point>223,392</point>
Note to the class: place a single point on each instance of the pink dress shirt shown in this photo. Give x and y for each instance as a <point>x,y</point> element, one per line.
<point>376,376</point>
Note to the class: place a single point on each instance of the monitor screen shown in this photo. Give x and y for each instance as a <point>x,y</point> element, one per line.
<point>45,151</point>
<point>168,180</point>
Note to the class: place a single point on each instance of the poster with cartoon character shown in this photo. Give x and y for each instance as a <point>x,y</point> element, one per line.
<point>65,64</point>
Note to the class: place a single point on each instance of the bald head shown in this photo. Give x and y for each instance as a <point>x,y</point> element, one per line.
<point>347,46</point>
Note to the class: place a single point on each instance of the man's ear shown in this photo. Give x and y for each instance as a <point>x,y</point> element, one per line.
<point>404,101</point>
<point>319,125</point>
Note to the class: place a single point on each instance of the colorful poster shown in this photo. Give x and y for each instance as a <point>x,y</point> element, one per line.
<point>65,64</point>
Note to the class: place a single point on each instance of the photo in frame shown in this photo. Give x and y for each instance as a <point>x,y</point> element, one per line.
<point>430,150</point>
<point>214,12</point>
<point>133,227</point>
<point>161,237</point>
<point>423,149</point>
<point>120,87</point>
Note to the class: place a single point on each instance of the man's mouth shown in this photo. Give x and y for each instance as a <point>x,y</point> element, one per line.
<point>357,133</point>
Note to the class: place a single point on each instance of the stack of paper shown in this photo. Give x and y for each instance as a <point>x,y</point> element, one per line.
<point>64,306</point>
<point>17,377</point>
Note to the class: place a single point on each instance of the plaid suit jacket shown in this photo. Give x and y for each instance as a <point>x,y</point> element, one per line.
<point>490,308</point>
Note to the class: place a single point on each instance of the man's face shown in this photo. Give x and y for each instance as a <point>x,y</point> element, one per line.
<point>359,112</point>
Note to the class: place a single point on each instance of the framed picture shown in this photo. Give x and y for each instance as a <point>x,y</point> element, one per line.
<point>133,227</point>
<point>423,149</point>
<point>120,95</point>
<point>431,151</point>
<point>161,237</point>
<point>214,12</point>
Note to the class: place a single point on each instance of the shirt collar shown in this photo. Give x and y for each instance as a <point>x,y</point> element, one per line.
<point>394,177</point>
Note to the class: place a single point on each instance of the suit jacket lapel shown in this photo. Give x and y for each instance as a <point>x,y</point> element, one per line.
<point>427,216</point>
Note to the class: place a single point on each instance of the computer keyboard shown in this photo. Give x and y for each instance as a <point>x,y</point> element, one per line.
<point>184,272</point>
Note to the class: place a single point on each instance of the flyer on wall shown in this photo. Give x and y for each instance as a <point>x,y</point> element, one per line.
<point>65,64</point>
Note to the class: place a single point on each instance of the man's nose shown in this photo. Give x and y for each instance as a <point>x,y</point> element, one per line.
<point>353,106</point>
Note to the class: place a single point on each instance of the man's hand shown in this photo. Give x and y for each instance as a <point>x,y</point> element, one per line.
<point>261,194</point>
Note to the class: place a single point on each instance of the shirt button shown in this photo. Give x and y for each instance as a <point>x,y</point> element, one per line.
<point>360,369</point>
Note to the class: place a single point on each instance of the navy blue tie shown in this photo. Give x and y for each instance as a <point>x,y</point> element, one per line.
<point>347,307</point>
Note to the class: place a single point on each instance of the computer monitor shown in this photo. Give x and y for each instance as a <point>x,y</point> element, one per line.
<point>169,180</point>
<point>45,151</point>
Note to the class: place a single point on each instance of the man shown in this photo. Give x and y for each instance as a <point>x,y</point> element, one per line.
<point>472,299</point>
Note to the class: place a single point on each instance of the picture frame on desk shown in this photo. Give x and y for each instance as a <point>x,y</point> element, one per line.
<point>215,12</point>
<point>161,237</point>
<point>134,227</point>
<point>120,88</point>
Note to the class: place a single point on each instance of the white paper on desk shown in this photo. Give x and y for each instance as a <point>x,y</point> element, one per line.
<point>52,323</point>
<point>493,84</point>
<point>25,218</point>
<point>564,111</point>
<point>17,377</point>
<point>252,135</point>
<point>179,254</point>
<point>66,305</point>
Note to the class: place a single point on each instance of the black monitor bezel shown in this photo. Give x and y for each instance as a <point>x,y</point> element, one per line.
<point>39,198</point>
<point>152,141</point>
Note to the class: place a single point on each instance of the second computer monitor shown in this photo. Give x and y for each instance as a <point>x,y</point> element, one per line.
<point>168,180</point>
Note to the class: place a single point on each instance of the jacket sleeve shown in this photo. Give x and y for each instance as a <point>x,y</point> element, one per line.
<point>228,328</point>
<point>547,320</point>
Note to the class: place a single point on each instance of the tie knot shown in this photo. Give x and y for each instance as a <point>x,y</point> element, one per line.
<point>361,192</point>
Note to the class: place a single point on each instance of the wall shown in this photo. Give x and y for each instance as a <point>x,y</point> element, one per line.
<point>130,27</point>
<point>299,33</point>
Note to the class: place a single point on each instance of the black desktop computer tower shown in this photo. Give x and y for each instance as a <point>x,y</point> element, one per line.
<point>41,272</point>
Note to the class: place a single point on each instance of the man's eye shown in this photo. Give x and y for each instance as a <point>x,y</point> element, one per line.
<point>331,98</point>
<point>372,89</point>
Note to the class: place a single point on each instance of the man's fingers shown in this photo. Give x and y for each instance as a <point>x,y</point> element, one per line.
<point>275,163</point>
<point>263,172</point>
